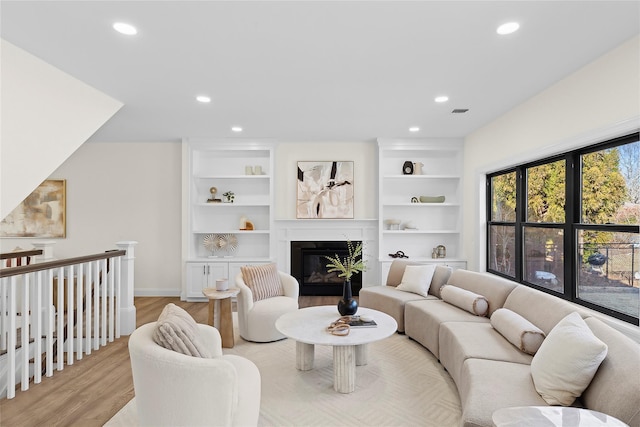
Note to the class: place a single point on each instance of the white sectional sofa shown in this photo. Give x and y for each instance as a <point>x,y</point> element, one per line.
<point>490,372</point>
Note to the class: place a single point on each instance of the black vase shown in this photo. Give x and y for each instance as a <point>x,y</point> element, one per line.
<point>347,306</point>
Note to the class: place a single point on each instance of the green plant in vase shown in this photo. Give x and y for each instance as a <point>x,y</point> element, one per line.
<point>346,267</point>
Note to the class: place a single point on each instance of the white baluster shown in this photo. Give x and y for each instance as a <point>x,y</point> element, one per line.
<point>79,303</point>
<point>103,295</point>
<point>89,302</point>
<point>70,306</point>
<point>4,310</point>
<point>118,284</point>
<point>49,319</point>
<point>36,326</point>
<point>111,293</point>
<point>24,331</point>
<point>96,305</point>
<point>11,339</point>
<point>60,321</point>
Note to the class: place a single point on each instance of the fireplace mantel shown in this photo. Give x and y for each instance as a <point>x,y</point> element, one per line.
<point>366,230</point>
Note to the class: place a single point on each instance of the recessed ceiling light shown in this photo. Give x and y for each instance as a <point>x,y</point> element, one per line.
<point>236,129</point>
<point>441,98</point>
<point>414,129</point>
<point>124,28</point>
<point>508,28</point>
<point>203,98</point>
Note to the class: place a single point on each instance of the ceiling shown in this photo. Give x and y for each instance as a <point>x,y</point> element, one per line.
<point>315,70</point>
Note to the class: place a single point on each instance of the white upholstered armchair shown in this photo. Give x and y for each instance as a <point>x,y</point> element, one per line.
<point>174,389</point>
<point>256,320</point>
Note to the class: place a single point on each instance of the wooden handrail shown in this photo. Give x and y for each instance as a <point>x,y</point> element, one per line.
<point>20,254</point>
<point>14,271</point>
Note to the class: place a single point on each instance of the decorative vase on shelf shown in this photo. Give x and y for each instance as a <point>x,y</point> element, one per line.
<point>347,306</point>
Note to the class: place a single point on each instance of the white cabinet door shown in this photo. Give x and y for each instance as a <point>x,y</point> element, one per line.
<point>204,275</point>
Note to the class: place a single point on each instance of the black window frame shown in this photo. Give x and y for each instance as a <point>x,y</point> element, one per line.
<point>571,226</point>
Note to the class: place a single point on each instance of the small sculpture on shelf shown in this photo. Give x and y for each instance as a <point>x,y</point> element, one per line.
<point>245,224</point>
<point>212,199</point>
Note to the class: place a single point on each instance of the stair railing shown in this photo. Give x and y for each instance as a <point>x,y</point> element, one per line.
<point>50,309</point>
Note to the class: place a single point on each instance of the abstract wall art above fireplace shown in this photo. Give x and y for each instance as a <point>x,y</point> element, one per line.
<point>325,190</point>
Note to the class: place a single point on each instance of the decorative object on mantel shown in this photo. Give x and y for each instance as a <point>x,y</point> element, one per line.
<point>352,264</point>
<point>229,196</point>
<point>410,225</point>
<point>41,214</point>
<point>325,190</point>
<point>441,251</point>
<point>414,200</point>
<point>245,224</point>
<point>407,168</point>
<point>212,199</point>
<point>393,224</point>
<point>228,242</point>
<point>431,199</point>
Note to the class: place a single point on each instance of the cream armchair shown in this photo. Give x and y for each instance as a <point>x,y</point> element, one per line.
<point>173,389</point>
<point>256,320</point>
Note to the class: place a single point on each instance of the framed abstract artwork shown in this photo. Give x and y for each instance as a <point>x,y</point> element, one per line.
<point>325,190</point>
<point>41,214</point>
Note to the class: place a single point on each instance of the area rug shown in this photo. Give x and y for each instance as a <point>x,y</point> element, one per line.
<point>402,385</point>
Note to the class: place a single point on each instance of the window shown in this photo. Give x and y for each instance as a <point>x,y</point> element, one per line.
<point>568,225</point>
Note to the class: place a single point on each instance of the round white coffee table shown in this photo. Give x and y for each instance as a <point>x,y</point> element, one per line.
<point>308,327</point>
<point>537,416</point>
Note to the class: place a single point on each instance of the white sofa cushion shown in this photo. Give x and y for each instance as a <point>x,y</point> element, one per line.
<point>567,360</point>
<point>417,279</point>
<point>176,330</point>
<point>517,330</point>
<point>464,299</point>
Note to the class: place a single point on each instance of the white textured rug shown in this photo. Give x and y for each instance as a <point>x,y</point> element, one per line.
<point>402,385</point>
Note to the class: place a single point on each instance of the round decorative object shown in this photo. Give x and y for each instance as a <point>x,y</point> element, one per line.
<point>213,191</point>
<point>407,168</point>
<point>231,241</point>
<point>209,242</point>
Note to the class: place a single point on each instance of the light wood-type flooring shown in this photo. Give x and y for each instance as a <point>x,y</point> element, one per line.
<point>92,390</point>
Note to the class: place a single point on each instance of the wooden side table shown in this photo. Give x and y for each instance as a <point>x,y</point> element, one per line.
<point>220,313</point>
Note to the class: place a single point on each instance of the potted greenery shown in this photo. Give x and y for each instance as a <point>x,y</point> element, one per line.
<point>347,267</point>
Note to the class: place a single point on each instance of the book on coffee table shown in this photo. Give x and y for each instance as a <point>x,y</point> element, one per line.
<point>357,322</point>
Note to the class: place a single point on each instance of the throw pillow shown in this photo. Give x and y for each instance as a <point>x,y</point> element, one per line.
<point>263,280</point>
<point>567,360</point>
<point>464,299</point>
<point>517,330</point>
<point>440,277</point>
<point>417,279</point>
<point>176,330</point>
<point>396,271</point>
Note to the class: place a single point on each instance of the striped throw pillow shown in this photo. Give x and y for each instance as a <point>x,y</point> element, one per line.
<point>263,280</point>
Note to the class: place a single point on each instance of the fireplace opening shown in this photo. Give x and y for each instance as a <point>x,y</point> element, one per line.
<point>309,267</point>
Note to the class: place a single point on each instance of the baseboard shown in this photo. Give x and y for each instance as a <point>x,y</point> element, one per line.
<point>156,292</point>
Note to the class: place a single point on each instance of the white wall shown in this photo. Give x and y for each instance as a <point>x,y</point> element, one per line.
<point>124,191</point>
<point>598,102</point>
<point>46,115</point>
<point>365,169</point>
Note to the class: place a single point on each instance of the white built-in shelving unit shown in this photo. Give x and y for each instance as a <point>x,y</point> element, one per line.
<point>433,224</point>
<point>223,164</point>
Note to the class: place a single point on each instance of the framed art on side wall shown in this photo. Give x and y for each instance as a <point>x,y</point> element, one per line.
<point>41,214</point>
<point>325,190</point>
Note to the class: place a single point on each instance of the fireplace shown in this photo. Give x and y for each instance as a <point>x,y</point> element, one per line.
<point>308,266</point>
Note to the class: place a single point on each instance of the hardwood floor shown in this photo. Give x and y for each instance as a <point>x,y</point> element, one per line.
<point>92,390</point>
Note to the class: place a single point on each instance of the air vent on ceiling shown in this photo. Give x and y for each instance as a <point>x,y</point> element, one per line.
<point>459,110</point>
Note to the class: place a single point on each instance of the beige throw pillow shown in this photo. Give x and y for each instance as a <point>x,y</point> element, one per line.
<point>440,277</point>
<point>263,280</point>
<point>517,330</point>
<point>464,299</point>
<point>417,279</point>
<point>567,360</point>
<point>176,330</point>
